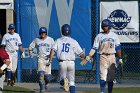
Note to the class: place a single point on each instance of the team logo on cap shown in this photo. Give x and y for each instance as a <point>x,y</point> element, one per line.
<point>119,19</point>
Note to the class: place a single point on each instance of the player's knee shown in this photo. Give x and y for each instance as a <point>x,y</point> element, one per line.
<point>47,78</point>
<point>41,75</point>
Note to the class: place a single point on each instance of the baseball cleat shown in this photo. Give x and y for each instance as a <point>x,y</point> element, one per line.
<point>66,84</point>
<point>46,86</point>
<point>9,83</point>
<point>12,83</point>
<point>42,91</point>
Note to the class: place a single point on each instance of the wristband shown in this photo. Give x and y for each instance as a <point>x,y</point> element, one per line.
<point>4,66</point>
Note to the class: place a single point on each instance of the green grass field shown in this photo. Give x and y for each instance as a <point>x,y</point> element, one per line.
<point>9,89</point>
<point>120,90</point>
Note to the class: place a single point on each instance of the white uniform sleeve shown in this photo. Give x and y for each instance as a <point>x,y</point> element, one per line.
<point>96,42</point>
<point>32,45</point>
<point>77,49</point>
<point>52,43</point>
<point>19,41</point>
<point>55,46</point>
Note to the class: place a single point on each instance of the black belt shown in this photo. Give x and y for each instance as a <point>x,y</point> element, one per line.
<point>107,54</point>
<point>64,60</point>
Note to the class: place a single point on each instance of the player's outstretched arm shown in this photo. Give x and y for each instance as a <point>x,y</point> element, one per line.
<point>88,58</point>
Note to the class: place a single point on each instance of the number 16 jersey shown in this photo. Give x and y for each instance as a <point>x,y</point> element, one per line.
<point>66,48</point>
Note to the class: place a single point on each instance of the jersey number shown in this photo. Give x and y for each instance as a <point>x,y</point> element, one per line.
<point>65,47</point>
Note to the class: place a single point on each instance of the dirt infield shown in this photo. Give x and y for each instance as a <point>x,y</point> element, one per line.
<point>80,88</point>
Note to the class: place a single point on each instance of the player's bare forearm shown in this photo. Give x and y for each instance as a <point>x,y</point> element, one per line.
<point>82,56</point>
<point>51,54</point>
<point>21,49</point>
<point>91,53</point>
<point>29,49</point>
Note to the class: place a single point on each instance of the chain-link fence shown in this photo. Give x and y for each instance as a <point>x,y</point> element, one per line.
<point>130,53</point>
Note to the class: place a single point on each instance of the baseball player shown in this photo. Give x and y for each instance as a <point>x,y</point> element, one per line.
<point>12,43</point>
<point>107,43</point>
<point>43,44</point>
<point>4,62</point>
<point>66,48</point>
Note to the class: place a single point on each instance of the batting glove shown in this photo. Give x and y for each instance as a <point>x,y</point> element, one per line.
<point>120,61</point>
<point>84,61</point>
<point>88,58</point>
<point>48,63</point>
<point>23,55</point>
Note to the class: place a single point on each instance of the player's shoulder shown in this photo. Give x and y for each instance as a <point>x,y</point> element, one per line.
<point>37,39</point>
<point>16,34</point>
<point>50,38</point>
<point>100,34</point>
<point>7,34</point>
<point>68,38</point>
<point>113,34</point>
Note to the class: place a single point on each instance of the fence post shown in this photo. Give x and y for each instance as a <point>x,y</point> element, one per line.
<point>17,3</point>
<point>97,31</point>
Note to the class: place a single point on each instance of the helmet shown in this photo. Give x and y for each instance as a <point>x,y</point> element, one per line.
<point>11,26</point>
<point>106,23</point>
<point>66,30</point>
<point>42,30</point>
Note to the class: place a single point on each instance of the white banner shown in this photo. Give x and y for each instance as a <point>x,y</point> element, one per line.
<point>124,16</point>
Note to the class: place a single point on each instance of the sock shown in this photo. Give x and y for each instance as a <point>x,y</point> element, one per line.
<point>42,85</point>
<point>102,86</point>
<point>41,80</point>
<point>110,87</point>
<point>47,78</point>
<point>13,76</point>
<point>72,89</point>
<point>9,75</point>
